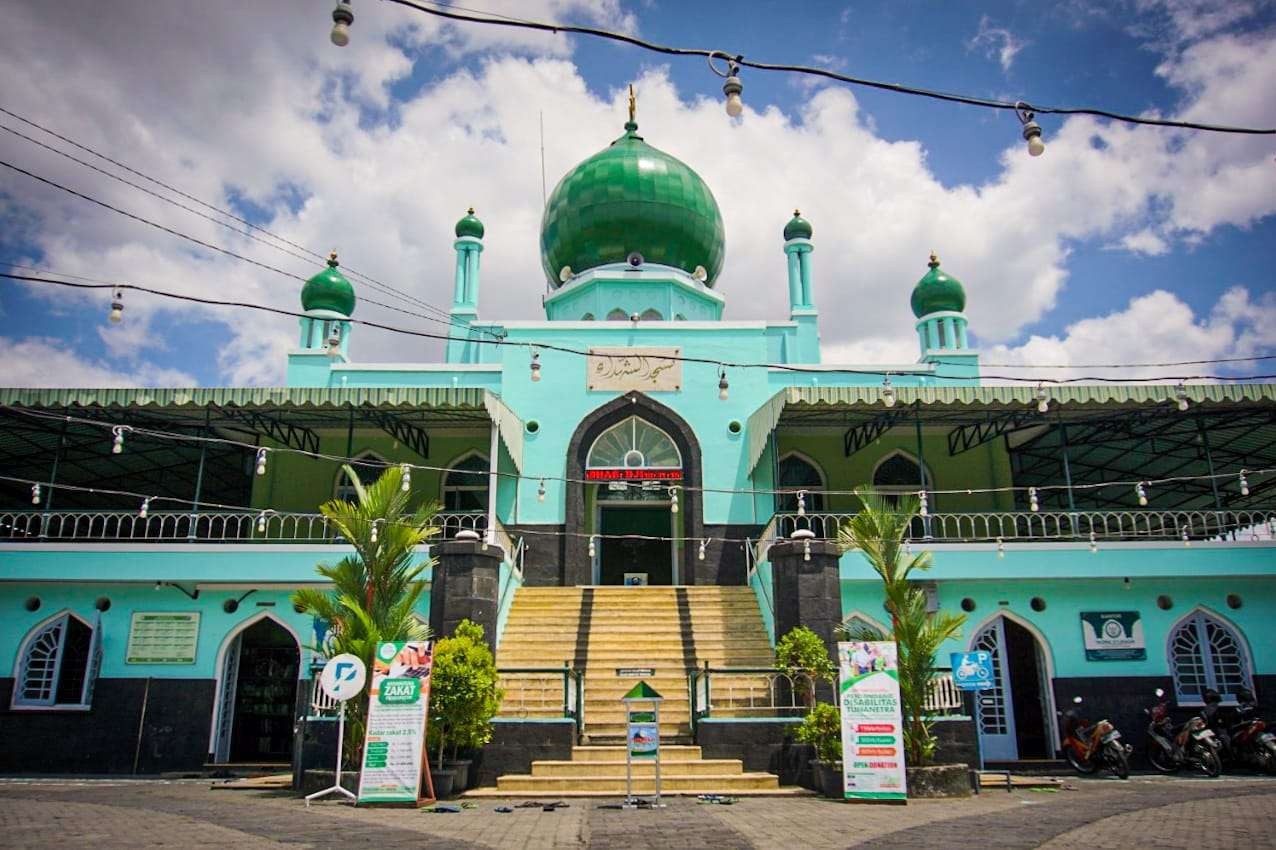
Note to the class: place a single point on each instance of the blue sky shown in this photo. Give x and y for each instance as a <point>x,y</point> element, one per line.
<point>1117,245</point>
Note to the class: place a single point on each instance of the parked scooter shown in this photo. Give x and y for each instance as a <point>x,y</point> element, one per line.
<point>1087,747</point>
<point>1193,744</point>
<point>1243,736</point>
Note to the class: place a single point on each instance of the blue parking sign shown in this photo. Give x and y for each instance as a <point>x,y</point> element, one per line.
<point>972,671</point>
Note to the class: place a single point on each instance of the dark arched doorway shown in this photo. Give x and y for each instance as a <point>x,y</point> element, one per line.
<point>578,565</point>
<point>259,695</point>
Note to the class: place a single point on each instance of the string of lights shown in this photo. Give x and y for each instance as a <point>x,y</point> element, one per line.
<point>534,347</point>
<point>732,89</point>
<point>219,210</point>
<point>1139,487</point>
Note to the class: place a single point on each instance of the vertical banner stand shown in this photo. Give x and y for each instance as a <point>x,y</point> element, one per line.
<point>343,677</point>
<point>642,739</point>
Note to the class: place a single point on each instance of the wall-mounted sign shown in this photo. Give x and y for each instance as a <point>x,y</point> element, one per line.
<point>635,474</point>
<point>1113,636</point>
<point>398,704</point>
<point>162,638</point>
<point>972,671</point>
<point>872,722</point>
<point>643,369</point>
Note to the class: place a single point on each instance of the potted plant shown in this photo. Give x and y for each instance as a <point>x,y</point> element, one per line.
<point>464,697</point>
<point>822,728</point>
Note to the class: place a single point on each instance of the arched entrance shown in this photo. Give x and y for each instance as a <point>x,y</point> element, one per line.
<point>630,453</point>
<point>257,694</point>
<point>1015,717</point>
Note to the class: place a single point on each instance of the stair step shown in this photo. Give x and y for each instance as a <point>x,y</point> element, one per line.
<point>701,784</point>
<point>668,767</point>
<point>609,755</point>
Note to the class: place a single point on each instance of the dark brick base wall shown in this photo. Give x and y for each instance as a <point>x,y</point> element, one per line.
<point>958,743</point>
<point>724,562</point>
<point>761,745</point>
<point>542,553</point>
<point>105,739</point>
<point>515,745</point>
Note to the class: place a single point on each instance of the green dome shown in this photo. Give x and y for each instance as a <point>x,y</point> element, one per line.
<point>470,226</point>
<point>329,290</point>
<point>937,292</point>
<point>631,197</point>
<point>797,228</point>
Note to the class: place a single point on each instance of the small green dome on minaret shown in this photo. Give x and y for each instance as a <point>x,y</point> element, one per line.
<point>469,226</point>
<point>797,228</point>
<point>937,292</point>
<point>329,290</point>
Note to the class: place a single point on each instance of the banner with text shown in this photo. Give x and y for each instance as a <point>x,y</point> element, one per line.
<point>872,723</point>
<point>399,702</point>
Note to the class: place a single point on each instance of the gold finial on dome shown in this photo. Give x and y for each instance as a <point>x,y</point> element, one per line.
<point>633,105</point>
<point>470,211</point>
<point>934,260</point>
<point>332,258</point>
<point>796,212</point>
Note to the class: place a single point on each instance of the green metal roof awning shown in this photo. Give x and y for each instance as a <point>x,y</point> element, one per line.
<point>763,421</point>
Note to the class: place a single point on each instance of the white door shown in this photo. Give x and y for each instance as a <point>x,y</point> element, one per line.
<point>226,701</point>
<point>995,708</point>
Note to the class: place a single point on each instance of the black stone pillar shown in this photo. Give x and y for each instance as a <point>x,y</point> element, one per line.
<point>806,590</point>
<point>467,583</point>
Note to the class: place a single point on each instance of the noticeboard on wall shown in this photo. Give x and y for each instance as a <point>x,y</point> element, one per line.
<point>163,637</point>
<point>1113,636</point>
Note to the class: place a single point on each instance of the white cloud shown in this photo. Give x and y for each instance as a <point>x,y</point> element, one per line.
<point>40,362</point>
<point>999,42</point>
<point>1146,241</point>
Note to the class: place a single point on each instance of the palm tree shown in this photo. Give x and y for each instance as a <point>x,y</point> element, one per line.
<point>375,590</point>
<point>879,531</point>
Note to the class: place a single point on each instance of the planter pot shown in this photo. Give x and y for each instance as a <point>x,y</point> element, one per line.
<point>443,782</point>
<point>939,780</point>
<point>816,776</point>
<point>462,769</point>
<point>831,780</point>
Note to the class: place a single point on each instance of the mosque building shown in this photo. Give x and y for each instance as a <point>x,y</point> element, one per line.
<point>637,472</point>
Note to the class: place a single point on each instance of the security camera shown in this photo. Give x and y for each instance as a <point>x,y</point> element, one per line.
<point>634,259</point>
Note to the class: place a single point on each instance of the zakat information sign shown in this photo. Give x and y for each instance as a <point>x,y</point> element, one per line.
<point>398,704</point>
<point>872,724</point>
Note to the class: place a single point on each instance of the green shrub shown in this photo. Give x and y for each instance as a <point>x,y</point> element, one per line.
<point>822,727</point>
<point>799,652</point>
<point>465,694</point>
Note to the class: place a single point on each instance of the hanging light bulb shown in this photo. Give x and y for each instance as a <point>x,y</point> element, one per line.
<point>801,497</point>
<point>373,536</point>
<point>117,307</point>
<point>1031,129</point>
<point>406,471</point>
<point>673,500</point>
<point>908,546</point>
<point>722,383</point>
<point>1142,494</point>
<point>1186,535</point>
<point>806,549</point>
<point>923,504</point>
<point>334,341</point>
<point>733,88</point>
<point>261,461</point>
<point>117,443</point>
<point>261,523</point>
<point>1043,399</point>
<point>35,494</point>
<point>1001,548</point>
<point>700,554</point>
<point>145,509</point>
<point>540,491</point>
<point>1033,504</point>
<point>1244,484</point>
<point>888,392</point>
<point>1094,544</point>
<point>1180,395</point>
<point>592,551</point>
<point>342,18</point>
<point>536,366</point>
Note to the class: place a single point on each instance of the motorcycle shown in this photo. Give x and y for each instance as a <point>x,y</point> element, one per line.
<point>1192,744</point>
<point>1243,735</point>
<point>1087,747</point>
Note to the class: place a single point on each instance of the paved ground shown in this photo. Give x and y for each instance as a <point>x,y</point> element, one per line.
<point>1099,814</point>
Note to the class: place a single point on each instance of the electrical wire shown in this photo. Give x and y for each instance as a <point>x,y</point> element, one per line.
<point>533,345</point>
<point>446,11</point>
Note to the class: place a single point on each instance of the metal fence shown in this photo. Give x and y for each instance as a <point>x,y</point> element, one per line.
<point>545,692</point>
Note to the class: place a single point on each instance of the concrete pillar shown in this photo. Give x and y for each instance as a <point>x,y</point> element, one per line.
<point>807,592</point>
<point>467,583</point>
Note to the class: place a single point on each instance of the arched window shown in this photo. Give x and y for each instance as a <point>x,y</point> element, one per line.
<point>859,627</point>
<point>652,315</point>
<point>368,467</point>
<point>800,473</point>
<point>678,317</point>
<point>465,484</point>
<point>617,315</point>
<point>588,317</point>
<point>634,444</point>
<point>58,664</point>
<point>1205,652</point>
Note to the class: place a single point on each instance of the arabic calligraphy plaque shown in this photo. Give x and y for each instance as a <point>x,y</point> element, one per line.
<point>643,369</point>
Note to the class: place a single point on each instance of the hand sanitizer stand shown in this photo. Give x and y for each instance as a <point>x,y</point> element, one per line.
<point>642,738</point>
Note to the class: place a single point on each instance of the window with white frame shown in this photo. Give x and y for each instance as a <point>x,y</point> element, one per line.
<point>1205,652</point>
<point>465,485</point>
<point>58,665</point>
<point>898,474</point>
<point>368,466</point>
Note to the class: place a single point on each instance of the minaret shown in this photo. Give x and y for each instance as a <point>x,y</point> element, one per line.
<point>798,248</point>
<point>468,245</point>
<point>938,302</point>
<point>328,302</point>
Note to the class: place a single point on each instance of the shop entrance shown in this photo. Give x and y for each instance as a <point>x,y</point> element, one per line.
<point>1015,717</point>
<point>625,555</point>
<point>258,695</point>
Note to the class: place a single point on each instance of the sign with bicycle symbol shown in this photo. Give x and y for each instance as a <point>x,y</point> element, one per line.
<point>972,671</point>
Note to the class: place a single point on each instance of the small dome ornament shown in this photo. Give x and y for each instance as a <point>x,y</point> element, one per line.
<point>797,228</point>
<point>329,290</point>
<point>937,292</point>
<point>469,226</point>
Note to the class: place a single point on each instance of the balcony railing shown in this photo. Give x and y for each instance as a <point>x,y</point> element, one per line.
<point>90,526</point>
